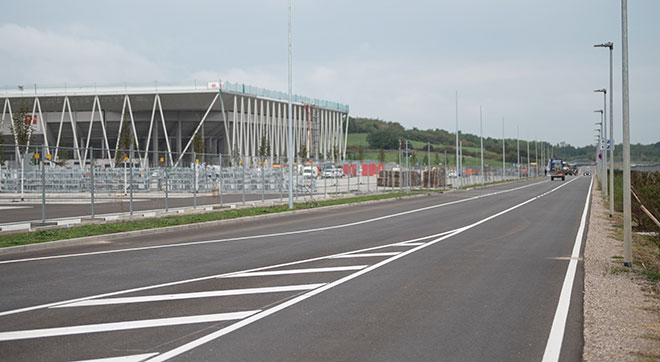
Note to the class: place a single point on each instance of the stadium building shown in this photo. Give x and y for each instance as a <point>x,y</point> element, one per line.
<point>232,119</point>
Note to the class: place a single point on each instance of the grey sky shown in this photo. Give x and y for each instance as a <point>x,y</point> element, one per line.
<point>530,62</point>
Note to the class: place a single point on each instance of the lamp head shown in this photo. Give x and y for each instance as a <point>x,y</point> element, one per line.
<point>605,45</point>
<point>601,91</point>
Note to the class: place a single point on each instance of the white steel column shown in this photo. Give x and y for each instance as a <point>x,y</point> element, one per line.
<point>201,123</point>
<point>151,125</point>
<point>167,137</point>
<point>36,105</point>
<point>233,128</point>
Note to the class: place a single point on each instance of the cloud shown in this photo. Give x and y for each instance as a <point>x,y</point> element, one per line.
<point>39,56</point>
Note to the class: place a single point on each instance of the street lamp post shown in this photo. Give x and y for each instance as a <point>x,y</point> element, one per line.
<point>610,45</point>
<point>604,151</point>
<point>481,127</point>
<point>290,122</point>
<point>627,211</point>
<point>600,142</point>
<point>503,153</point>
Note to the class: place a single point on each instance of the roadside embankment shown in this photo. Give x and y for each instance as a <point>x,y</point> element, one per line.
<point>621,305</point>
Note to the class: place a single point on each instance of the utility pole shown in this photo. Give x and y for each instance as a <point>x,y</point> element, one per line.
<point>290,133</point>
<point>457,172</point>
<point>503,153</point>
<point>481,128</point>
<point>518,142</point>
<point>627,213</point>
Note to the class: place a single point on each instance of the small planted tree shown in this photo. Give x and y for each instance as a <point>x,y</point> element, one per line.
<point>125,142</point>
<point>264,148</point>
<point>199,146</point>
<point>361,153</point>
<point>381,156</point>
<point>21,129</point>
<point>303,152</point>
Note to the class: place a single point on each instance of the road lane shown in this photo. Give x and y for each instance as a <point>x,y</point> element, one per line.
<point>515,251</point>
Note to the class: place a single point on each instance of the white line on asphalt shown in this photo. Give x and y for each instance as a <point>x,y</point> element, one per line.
<point>12,207</point>
<point>410,244</point>
<point>131,358</point>
<point>180,296</point>
<point>297,271</point>
<point>193,280</point>
<point>121,326</point>
<point>553,347</point>
<point>219,333</point>
<point>366,255</point>
<point>273,234</point>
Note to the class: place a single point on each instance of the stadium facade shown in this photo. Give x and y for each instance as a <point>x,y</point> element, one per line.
<point>232,119</point>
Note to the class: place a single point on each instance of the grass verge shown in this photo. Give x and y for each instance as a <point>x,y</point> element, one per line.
<point>41,236</point>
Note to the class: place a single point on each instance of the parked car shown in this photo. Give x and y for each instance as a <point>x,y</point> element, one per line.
<point>332,172</point>
<point>310,172</point>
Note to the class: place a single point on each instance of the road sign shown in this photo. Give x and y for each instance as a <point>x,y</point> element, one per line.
<point>602,144</point>
<point>608,145</point>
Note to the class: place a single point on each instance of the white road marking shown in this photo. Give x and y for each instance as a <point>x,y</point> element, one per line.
<point>219,333</point>
<point>131,358</point>
<point>180,296</point>
<point>13,207</point>
<point>193,280</point>
<point>269,235</point>
<point>553,347</point>
<point>410,244</point>
<point>297,271</point>
<point>366,255</point>
<point>121,326</point>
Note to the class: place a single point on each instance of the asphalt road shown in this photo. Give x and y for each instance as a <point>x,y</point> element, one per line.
<point>12,212</point>
<point>468,275</point>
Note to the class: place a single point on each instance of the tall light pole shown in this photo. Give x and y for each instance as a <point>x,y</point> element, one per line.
<point>290,122</point>
<point>518,147</point>
<point>528,170</point>
<point>503,153</point>
<point>604,151</point>
<point>458,173</point>
<point>600,142</point>
<point>610,45</point>
<point>627,214</point>
<point>481,128</point>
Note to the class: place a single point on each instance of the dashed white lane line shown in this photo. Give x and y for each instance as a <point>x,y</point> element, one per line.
<point>553,346</point>
<point>181,296</point>
<point>384,217</point>
<point>131,358</point>
<point>365,255</point>
<point>297,271</point>
<point>121,326</point>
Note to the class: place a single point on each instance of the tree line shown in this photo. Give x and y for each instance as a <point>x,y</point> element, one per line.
<point>384,135</point>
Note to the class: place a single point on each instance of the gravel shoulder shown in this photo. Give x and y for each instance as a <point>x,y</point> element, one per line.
<point>621,317</point>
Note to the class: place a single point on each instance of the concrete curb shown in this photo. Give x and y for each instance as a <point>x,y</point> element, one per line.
<point>156,231</point>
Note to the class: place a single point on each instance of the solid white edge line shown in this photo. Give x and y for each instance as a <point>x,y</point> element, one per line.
<point>297,271</point>
<point>131,358</point>
<point>183,296</point>
<point>121,326</point>
<point>12,261</point>
<point>219,333</point>
<point>556,336</point>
